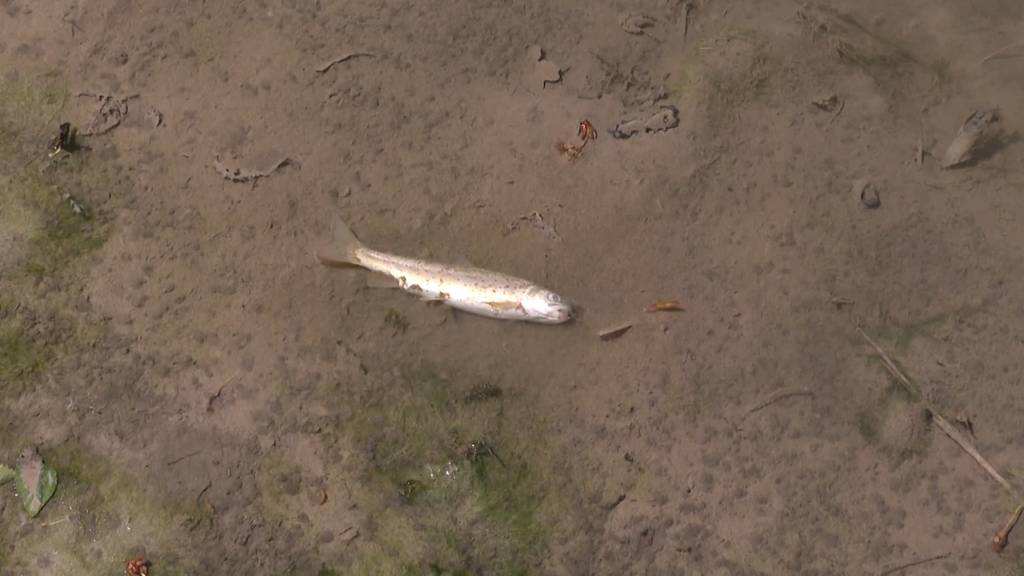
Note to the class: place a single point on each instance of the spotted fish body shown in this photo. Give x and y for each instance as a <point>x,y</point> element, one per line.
<point>474,290</point>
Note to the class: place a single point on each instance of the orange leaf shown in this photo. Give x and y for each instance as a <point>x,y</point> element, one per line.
<point>664,305</point>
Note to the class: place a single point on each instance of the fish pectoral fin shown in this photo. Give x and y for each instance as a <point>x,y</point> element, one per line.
<point>503,305</point>
<point>435,298</point>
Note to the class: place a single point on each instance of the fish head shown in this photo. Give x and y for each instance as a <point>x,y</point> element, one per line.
<point>545,306</point>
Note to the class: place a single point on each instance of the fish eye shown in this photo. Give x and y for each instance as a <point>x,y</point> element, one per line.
<point>553,298</point>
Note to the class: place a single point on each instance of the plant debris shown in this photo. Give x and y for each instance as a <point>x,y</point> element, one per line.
<point>666,118</point>
<point>343,58</point>
<point>64,141</point>
<point>614,331</point>
<point>137,567</point>
<point>480,449</point>
<point>545,71</point>
<point>484,391</point>
<point>110,111</point>
<point>636,24</point>
<point>537,220</point>
<point>840,301</point>
<point>775,397</point>
<point>75,205</point>
<point>1002,538</point>
<point>971,133</point>
<point>664,305</point>
<point>396,321</point>
<point>826,103</point>
<point>36,482</point>
<point>6,474</point>
<point>906,565</point>
<point>154,117</point>
<point>586,133</point>
<point>246,174</point>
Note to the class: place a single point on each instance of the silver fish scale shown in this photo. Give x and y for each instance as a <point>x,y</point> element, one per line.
<point>440,274</point>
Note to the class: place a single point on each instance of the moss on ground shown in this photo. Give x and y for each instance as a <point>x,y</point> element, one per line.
<point>46,223</point>
<point>452,488</point>
<point>96,518</point>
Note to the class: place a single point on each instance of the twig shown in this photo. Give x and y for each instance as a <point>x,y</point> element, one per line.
<point>352,537</point>
<point>213,398</point>
<point>1000,52</point>
<point>343,58</point>
<point>1001,538</point>
<point>902,567</point>
<point>939,420</point>
<point>889,364</point>
<point>966,445</point>
<point>180,458</point>
<point>776,396</point>
<point>687,8</point>
<point>55,522</point>
<point>199,498</point>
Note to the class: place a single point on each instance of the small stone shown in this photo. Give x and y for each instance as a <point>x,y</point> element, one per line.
<point>868,193</point>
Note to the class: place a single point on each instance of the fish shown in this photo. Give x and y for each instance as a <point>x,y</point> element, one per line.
<point>467,288</point>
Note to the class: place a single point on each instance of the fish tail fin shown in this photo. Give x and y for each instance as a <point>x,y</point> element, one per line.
<point>344,248</point>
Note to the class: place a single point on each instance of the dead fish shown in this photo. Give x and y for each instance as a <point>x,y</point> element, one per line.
<point>473,290</point>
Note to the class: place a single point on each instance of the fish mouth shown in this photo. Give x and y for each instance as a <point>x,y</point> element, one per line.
<point>558,316</point>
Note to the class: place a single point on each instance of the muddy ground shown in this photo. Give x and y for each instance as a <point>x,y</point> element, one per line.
<point>215,400</point>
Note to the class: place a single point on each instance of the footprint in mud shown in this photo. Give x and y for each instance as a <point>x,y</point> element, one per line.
<point>666,118</point>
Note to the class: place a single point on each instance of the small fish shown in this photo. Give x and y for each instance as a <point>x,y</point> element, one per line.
<point>471,289</point>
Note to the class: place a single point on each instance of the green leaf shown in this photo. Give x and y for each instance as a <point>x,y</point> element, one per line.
<point>36,482</point>
<point>6,474</point>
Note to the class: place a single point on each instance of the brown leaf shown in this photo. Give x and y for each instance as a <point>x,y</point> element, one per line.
<point>664,305</point>
<point>615,331</point>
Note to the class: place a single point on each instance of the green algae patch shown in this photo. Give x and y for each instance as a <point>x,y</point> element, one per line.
<point>454,482</point>
<point>95,518</point>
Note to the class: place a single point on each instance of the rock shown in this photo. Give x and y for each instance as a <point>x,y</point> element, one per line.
<point>867,192</point>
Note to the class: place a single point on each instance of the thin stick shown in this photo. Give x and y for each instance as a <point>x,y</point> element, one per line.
<point>343,58</point>
<point>999,53</point>
<point>55,522</point>
<point>902,567</point>
<point>942,423</point>
<point>964,443</point>
<point>180,458</point>
<point>776,396</point>
<point>1001,538</point>
<point>889,364</point>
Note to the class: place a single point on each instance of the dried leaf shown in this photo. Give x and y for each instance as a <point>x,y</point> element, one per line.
<point>615,331</point>
<point>36,482</point>
<point>6,474</point>
<point>827,103</point>
<point>664,305</point>
<point>635,24</point>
